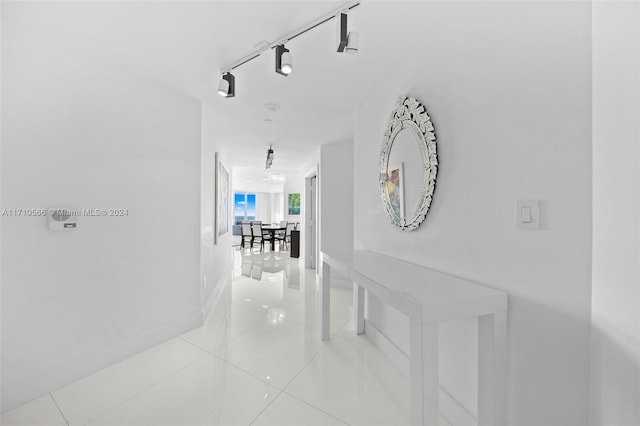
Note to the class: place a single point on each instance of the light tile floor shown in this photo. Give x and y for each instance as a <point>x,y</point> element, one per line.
<point>257,360</point>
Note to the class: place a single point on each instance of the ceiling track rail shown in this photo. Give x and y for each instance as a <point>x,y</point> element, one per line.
<point>282,40</point>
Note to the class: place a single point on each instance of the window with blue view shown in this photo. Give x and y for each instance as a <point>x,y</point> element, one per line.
<point>244,207</point>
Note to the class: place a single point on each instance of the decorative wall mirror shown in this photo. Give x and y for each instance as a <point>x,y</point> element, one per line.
<point>408,164</point>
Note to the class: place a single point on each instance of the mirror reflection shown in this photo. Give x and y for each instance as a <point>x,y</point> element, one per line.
<point>253,265</point>
<point>405,173</point>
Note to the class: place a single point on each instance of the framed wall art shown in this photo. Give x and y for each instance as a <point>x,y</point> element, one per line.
<point>294,204</point>
<point>222,199</point>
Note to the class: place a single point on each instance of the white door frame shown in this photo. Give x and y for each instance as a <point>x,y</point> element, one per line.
<point>311,209</point>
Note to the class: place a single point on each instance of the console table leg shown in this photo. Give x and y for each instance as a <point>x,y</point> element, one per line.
<point>423,366</point>
<point>325,302</point>
<point>358,308</point>
<point>492,350</point>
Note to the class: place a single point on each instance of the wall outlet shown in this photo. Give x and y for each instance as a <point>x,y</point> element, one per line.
<point>204,282</point>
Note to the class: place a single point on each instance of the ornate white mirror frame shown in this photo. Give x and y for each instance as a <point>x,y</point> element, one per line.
<point>409,114</point>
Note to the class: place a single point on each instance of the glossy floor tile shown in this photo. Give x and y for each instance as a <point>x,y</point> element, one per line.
<point>209,392</point>
<point>355,383</point>
<point>257,360</point>
<point>39,412</point>
<point>225,323</point>
<point>273,352</point>
<point>289,411</point>
<point>94,395</point>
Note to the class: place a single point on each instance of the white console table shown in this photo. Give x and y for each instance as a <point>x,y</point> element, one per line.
<point>428,298</point>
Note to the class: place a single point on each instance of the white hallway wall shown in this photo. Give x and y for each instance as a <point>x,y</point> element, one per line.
<point>336,203</point>
<point>215,255</point>
<point>508,87</point>
<point>78,133</point>
<point>615,337</point>
<point>336,197</point>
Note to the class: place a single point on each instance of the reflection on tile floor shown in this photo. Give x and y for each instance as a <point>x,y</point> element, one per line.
<point>256,360</point>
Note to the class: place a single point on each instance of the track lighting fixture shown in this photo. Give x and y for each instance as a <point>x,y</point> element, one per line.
<point>352,43</point>
<point>227,86</point>
<point>284,63</point>
<point>347,41</point>
<point>269,157</point>
<point>342,31</point>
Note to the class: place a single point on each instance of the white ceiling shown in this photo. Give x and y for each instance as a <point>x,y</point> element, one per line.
<point>183,45</point>
<point>256,179</point>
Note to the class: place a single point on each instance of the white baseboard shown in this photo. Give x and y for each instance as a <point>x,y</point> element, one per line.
<point>387,347</point>
<point>454,411</point>
<point>450,407</point>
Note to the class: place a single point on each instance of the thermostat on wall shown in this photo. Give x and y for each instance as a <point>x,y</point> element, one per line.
<point>62,219</point>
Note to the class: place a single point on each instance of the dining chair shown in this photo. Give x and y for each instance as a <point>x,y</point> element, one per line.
<point>259,235</point>
<point>256,234</point>
<point>246,234</point>
<point>280,235</point>
<point>287,235</point>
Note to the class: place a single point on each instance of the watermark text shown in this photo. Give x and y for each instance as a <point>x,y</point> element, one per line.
<point>65,213</point>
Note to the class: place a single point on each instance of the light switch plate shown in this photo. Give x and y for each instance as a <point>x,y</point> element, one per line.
<point>528,214</point>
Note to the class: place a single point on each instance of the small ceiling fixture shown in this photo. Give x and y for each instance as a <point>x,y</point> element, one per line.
<point>227,86</point>
<point>269,157</point>
<point>347,41</point>
<point>276,178</point>
<point>284,63</point>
